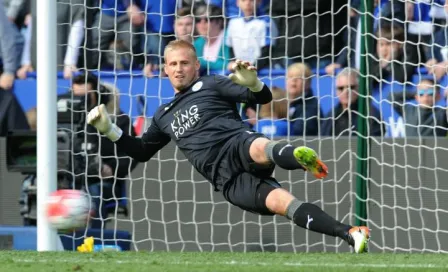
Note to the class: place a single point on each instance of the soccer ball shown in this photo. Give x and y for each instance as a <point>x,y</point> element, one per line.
<point>68,209</point>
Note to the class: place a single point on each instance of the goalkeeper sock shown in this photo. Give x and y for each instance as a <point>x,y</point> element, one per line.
<point>310,216</point>
<point>282,154</point>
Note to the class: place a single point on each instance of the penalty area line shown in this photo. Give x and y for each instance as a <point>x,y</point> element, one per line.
<point>236,263</point>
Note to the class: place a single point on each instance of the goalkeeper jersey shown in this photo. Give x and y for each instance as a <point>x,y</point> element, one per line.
<point>200,120</point>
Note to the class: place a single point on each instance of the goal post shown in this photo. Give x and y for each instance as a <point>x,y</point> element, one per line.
<point>365,86</point>
<point>46,120</point>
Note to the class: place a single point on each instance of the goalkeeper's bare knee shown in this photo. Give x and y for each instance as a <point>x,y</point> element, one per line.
<point>278,201</point>
<point>257,150</point>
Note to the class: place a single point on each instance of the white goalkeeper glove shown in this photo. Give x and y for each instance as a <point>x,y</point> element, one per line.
<point>99,118</point>
<point>246,75</point>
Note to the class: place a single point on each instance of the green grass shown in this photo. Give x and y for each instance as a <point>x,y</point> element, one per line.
<point>161,261</point>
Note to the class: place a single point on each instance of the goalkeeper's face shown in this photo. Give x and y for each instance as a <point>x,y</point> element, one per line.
<point>182,67</point>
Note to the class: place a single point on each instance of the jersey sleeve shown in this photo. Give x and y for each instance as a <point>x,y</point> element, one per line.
<point>144,148</point>
<point>240,94</point>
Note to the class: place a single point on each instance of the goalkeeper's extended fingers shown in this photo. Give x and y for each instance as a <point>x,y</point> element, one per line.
<point>93,115</point>
<point>96,114</point>
<point>245,64</point>
<point>238,62</point>
<point>252,68</point>
<point>103,111</point>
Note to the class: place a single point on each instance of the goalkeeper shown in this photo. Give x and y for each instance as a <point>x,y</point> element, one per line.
<point>204,123</point>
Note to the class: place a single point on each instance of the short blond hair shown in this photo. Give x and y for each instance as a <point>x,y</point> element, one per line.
<point>177,44</point>
<point>301,68</point>
<point>278,107</point>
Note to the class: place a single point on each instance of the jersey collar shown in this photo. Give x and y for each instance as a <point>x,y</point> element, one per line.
<point>186,89</point>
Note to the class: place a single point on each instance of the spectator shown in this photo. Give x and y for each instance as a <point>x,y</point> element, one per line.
<point>116,21</point>
<point>347,56</point>
<point>229,6</point>
<point>343,119</point>
<point>437,14</point>
<point>12,116</point>
<point>233,10</point>
<point>212,52</point>
<point>159,30</point>
<point>16,10</point>
<point>251,37</point>
<point>26,65</point>
<point>438,63</point>
<point>390,61</point>
<point>309,31</point>
<point>70,29</point>
<point>9,51</point>
<point>183,29</point>
<point>389,13</point>
<point>423,119</point>
<point>183,25</point>
<point>115,165</point>
<point>386,14</point>
<point>420,28</point>
<point>272,122</point>
<point>304,111</point>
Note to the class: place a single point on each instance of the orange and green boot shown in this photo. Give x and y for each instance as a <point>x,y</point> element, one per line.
<point>308,158</point>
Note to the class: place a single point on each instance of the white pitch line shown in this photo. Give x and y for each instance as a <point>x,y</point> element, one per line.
<point>236,263</point>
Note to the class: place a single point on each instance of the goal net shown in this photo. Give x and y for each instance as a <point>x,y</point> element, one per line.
<point>171,207</point>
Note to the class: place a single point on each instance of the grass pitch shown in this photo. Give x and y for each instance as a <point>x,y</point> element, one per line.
<point>12,261</point>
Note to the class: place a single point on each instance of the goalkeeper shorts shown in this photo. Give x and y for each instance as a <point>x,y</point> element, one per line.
<point>243,182</point>
<point>249,192</point>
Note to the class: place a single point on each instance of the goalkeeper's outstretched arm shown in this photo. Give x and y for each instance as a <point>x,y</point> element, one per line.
<point>140,149</point>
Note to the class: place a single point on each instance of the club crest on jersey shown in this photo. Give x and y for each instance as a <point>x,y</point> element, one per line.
<point>196,87</point>
<point>184,120</point>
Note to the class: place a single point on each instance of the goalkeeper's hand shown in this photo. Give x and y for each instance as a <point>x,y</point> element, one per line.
<point>99,118</point>
<point>246,75</point>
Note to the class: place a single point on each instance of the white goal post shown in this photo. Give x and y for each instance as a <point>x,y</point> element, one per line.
<point>47,239</point>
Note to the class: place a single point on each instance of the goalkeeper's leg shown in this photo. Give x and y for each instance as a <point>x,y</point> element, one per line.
<point>306,215</point>
<point>286,156</point>
<point>264,196</point>
<point>310,216</point>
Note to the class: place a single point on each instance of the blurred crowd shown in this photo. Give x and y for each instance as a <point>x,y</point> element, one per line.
<point>301,37</point>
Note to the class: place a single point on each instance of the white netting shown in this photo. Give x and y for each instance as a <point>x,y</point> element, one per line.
<point>171,207</point>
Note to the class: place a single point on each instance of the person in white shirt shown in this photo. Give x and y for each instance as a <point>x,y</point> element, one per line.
<point>250,37</point>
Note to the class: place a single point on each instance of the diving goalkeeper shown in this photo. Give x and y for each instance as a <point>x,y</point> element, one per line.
<point>204,122</point>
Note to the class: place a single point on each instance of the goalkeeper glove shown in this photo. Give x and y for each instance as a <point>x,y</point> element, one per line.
<point>99,118</point>
<point>246,75</point>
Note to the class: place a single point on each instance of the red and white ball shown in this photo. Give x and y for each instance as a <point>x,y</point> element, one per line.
<point>68,209</point>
